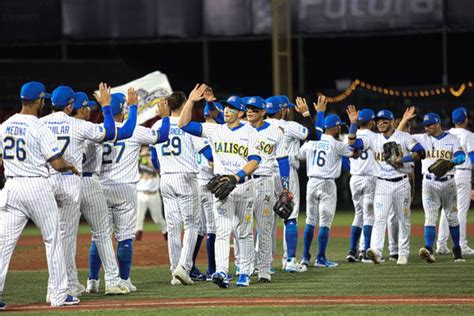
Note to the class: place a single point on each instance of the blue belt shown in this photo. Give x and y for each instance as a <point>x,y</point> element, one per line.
<point>87,174</point>
<point>67,173</point>
<point>447,178</point>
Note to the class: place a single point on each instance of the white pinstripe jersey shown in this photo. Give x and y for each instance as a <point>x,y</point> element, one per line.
<point>205,170</point>
<point>178,154</point>
<point>364,165</point>
<point>120,159</point>
<point>294,134</point>
<point>27,145</point>
<point>92,157</point>
<point>466,138</point>
<point>376,142</point>
<point>231,147</point>
<point>272,146</point>
<point>443,148</point>
<point>71,134</point>
<point>324,157</point>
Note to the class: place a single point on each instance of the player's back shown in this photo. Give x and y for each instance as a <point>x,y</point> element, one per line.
<point>178,154</point>
<point>364,165</point>
<point>204,167</point>
<point>466,138</point>
<point>71,134</point>
<point>92,157</point>
<point>27,145</point>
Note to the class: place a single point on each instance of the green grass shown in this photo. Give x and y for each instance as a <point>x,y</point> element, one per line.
<point>444,278</point>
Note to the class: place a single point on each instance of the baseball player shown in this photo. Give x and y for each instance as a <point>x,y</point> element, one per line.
<point>362,185</point>
<point>462,177</point>
<point>273,151</point>
<point>323,165</point>
<point>438,192</point>
<point>392,187</point>
<point>93,203</point>
<point>118,177</point>
<point>148,195</point>
<point>236,156</point>
<point>71,133</point>
<point>180,191</point>
<point>294,133</point>
<point>28,147</point>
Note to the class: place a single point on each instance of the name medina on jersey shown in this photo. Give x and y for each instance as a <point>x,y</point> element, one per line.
<point>15,130</point>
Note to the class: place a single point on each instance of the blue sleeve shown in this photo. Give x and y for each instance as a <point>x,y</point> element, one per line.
<point>193,128</point>
<point>164,130</point>
<point>207,152</point>
<point>420,150</point>
<point>471,157</point>
<point>109,123</point>
<point>254,157</point>
<point>319,125</point>
<point>459,157</point>
<point>358,144</point>
<point>346,164</point>
<point>220,118</point>
<point>126,131</point>
<point>284,166</point>
<point>154,158</point>
<point>211,106</point>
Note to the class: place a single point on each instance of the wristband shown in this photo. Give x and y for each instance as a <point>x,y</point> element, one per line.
<point>408,158</point>
<point>305,114</point>
<point>241,174</point>
<point>353,129</point>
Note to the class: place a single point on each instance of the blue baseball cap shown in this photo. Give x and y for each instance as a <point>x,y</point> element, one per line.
<point>366,115</point>
<point>81,100</point>
<point>333,120</point>
<point>117,102</point>
<point>459,115</point>
<point>62,96</point>
<point>273,105</point>
<point>34,90</point>
<point>286,102</point>
<point>431,118</point>
<point>218,105</point>
<point>384,115</point>
<point>256,102</point>
<point>234,102</point>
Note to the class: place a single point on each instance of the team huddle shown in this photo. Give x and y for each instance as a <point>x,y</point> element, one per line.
<point>219,179</point>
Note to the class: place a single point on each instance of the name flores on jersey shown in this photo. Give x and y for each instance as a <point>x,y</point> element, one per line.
<point>232,148</point>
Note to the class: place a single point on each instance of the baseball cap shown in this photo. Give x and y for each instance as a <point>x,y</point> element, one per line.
<point>431,118</point>
<point>82,100</point>
<point>459,115</point>
<point>385,115</point>
<point>286,102</point>
<point>62,96</point>
<point>218,105</point>
<point>273,104</point>
<point>256,102</point>
<point>234,102</point>
<point>34,90</point>
<point>117,101</point>
<point>333,120</point>
<point>366,115</point>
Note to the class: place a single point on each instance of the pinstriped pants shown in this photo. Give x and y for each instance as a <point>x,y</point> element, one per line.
<point>208,222</point>
<point>32,198</point>
<point>122,201</point>
<point>436,195</point>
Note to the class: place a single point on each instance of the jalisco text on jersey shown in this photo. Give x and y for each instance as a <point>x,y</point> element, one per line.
<point>232,148</point>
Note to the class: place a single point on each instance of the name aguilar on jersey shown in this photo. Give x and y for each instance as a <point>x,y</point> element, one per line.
<point>232,148</point>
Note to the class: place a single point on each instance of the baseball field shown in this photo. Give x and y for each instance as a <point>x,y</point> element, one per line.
<point>354,289</point>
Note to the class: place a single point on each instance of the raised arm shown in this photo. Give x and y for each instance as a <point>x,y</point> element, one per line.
<point>103,98</point>
<point>353,116</point>
<point>196,95</point>
<point>407,116</point>
<point>302,108</point>
<point>126,131</point>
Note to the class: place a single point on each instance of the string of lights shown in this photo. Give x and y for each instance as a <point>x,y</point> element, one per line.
<point>358,84</point>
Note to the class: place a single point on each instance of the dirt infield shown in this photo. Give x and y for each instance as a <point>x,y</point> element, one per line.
<point>278,301</point>
<point>151,251</point>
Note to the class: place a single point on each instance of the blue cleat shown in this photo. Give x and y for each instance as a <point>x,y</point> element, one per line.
<point>71,300</point>
<point>243,281</point>
<point>3,306</point>
<point>325,264</point>
<point>197,275</point>
<point>220,279</point>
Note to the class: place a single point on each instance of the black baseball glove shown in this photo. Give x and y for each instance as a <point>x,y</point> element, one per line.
<point>440,167</point>
<point>221,186</point>
<point>284,206</point>
<point>392,152</point>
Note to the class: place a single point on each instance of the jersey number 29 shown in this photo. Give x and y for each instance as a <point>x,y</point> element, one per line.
<point>172,147</point>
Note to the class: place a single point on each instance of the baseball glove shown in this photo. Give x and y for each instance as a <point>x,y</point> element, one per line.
<point>440,167</point>
<point>284,206</point>
<point>392,152</point>
<point>221,186</point>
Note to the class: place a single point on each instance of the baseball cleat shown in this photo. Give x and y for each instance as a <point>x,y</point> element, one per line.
<point>197,275</point>
<point>175,281</point>
<point>361,255</point>
<point>292,266</point>
<point>92,286</point>
<point>243,281</point>
<point>128,283</point>
<point>443,250</point>
<point>351,256</point>
<point>393,257</point>
<point>70,300</point>
<point>467,251</point>
<point>182,275</point>
<point>220,279</point>
<point>425,254</point>
<point>402,260</point>
<point>3,306</point>
<point>373,255</point>
<point>325,264</point>
<point>272,270</point>
<point>457,254</point>
<point>120,288</point>
<point>76,290</point>
<point>304,265</point>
